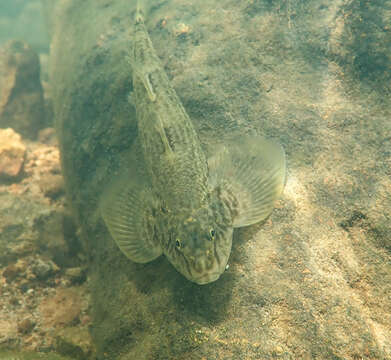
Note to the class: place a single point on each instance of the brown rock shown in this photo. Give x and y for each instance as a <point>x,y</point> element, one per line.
<point>12,154</point>
<point>21,94</point>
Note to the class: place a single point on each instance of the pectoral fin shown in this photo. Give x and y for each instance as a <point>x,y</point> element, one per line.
<point>251,174</point>
<point>128,211</point>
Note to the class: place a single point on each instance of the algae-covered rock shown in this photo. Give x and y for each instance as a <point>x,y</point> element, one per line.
<point>21,95</point>
<point>312,282</point>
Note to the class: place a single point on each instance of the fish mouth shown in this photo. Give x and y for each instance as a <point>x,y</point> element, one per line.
<point>207,278</point>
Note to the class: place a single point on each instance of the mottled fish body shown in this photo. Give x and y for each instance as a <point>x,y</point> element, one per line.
<point>173,155</point>
<point>187,205</point>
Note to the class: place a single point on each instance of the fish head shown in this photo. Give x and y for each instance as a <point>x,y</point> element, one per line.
<point>201,243</point>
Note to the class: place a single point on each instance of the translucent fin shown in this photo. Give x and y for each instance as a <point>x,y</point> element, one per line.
<point>128,212</point>
<point>251,174</point>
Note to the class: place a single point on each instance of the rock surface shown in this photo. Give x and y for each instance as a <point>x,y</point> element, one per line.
<point>313,282</point>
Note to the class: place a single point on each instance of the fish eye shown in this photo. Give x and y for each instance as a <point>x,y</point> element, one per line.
<point>178,244</point>
<point>212,234</point>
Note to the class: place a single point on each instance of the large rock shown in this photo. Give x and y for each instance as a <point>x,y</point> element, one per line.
<point>21,96</point>
<point>313,281</point>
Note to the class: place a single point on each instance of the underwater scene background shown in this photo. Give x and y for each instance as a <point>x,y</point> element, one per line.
<point>311,281</point>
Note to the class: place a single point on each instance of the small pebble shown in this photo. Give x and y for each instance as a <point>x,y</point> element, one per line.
<point>76,275</point>
<point>11,272</point>
<point>30,292</point>
<point>14,301</point>
<point>25,326</point>
<point>44,269</point>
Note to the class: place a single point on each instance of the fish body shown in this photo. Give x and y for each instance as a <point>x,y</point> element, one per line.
<point>172,151</point>
<point>191,203</point>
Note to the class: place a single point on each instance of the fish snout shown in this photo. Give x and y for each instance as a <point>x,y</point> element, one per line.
<point>204,267</point>
<point>203,264</point>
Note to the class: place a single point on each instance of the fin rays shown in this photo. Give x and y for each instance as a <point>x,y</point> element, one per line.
<point>251,169</point>
<point>126,212</point>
